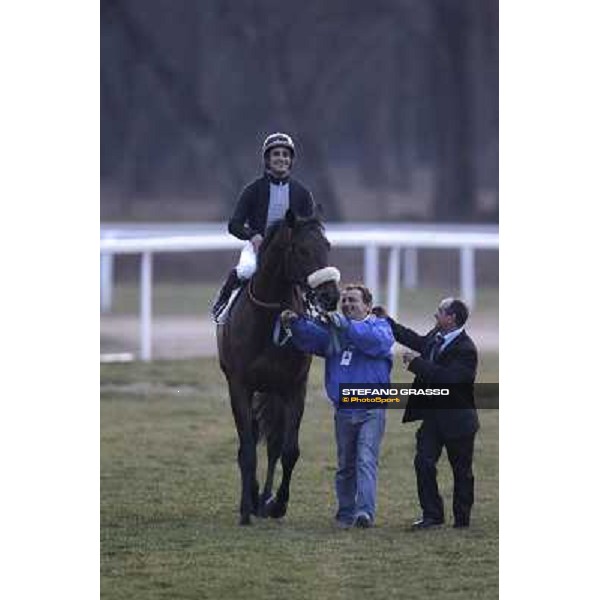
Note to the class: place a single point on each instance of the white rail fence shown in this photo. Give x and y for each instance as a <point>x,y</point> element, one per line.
<point>373,238</point>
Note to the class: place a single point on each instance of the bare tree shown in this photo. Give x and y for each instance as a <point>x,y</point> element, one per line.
<point>190,90</point>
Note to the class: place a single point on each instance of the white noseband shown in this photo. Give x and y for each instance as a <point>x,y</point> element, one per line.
<point>322,275</point>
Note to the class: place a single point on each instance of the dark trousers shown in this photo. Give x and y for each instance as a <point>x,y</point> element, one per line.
<point>430,442</point>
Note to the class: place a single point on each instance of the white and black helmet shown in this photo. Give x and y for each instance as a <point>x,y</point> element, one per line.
<point>278,139</point>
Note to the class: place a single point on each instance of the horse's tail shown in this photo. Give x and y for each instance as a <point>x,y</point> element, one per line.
<point>268,412</point>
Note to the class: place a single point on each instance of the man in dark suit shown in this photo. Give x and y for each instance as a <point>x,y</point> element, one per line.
<point>447,357</point>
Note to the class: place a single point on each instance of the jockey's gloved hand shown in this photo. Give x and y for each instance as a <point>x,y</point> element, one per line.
<point>256,241</point>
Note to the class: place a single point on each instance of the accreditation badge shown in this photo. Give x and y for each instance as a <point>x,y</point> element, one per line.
<point>346,358</point>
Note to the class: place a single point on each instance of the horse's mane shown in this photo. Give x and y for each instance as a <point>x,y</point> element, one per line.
<point>312,223</point>
<point>301,223</point>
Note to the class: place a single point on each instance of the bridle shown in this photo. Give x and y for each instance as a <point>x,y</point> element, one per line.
<point>309,300</point>
<point>274,305</point>
<point>255,300</point>
<point>309,295</point>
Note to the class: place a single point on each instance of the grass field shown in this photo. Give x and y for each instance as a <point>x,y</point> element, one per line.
<point>169,496</point>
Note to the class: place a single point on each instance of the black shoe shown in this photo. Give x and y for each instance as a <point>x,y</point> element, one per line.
<point>232,282</point>
<point>426,523</point>
<point>461,525</point>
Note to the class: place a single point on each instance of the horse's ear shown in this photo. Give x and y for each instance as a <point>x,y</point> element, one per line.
<point>290,218</point>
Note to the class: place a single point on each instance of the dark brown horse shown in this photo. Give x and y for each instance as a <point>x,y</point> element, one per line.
<point>267,382</point>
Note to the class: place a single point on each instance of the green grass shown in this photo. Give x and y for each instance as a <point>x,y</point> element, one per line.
<point>167,298</point>
<point>193,299</point>
<point>487,371</point>
<point>169,499</point>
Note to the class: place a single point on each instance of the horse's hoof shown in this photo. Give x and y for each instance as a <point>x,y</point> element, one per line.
<point>263,507</point>
<point>245,520</point>
<point>275,509</point>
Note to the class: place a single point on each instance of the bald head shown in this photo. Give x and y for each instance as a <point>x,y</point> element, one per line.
<point>451,314</point>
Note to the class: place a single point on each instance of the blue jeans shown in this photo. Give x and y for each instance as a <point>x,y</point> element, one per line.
<point>358,435</point>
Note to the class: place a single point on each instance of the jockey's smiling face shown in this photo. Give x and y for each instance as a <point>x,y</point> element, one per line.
<point>279,161</point>
<point>353,305</point>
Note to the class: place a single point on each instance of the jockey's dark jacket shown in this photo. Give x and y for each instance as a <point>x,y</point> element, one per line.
<point>250,215</point>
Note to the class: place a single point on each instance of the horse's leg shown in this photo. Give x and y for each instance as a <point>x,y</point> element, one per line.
<point>242,413</point>
<point>290,452</point>
<point>273,454</point>
<point>256,504</point>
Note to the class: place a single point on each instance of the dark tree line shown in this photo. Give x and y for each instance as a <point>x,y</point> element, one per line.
<point>390,92</point>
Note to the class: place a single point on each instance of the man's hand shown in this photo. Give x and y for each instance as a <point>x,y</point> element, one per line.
<point>380,312</point>
<point>407,357</point>
<point>337,320</point>
<point>287,318</point>
<point>256,241</point>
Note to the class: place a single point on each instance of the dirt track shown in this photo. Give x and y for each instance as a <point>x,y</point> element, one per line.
<point>187,337</point>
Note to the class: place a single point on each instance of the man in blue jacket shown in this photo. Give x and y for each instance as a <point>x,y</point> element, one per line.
<point>357,347</point>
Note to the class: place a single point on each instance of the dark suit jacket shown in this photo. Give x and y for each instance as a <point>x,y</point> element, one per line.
<point>250,214</point>
<point>456,364</point>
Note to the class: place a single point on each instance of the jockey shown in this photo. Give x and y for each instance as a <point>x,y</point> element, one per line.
<point>261,203</point>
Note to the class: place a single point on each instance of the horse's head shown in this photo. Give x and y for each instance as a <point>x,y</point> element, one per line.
<point>299,248</point>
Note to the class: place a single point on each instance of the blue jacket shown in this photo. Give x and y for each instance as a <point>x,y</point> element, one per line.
<point>357,352</point>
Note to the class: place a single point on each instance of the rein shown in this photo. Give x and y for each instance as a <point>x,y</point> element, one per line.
<point>267,305</point>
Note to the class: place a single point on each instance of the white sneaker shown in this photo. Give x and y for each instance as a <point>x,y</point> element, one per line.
<point>363,521</point>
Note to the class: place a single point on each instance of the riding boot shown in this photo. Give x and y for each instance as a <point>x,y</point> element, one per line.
<point>232,283</point>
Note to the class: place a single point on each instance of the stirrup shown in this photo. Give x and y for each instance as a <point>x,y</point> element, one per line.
<point>219,303</point>
<point>216,310</point>
<point>220,309</point>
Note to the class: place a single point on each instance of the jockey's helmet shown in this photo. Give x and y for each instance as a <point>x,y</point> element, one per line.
<point>278,140</point>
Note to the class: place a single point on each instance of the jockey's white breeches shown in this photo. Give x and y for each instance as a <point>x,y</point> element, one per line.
<point>246,266</point>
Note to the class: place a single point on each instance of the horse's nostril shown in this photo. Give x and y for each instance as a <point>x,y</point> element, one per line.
<point>330,302</point>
